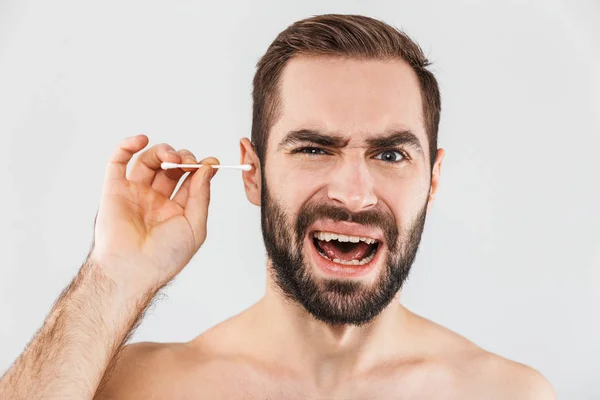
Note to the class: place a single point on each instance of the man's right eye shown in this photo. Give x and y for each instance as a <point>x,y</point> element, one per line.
<point>311,151</point>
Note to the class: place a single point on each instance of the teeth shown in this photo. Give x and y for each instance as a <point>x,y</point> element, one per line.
<point>328,236</point>
<point>353,262</point>
<point>366,260</point>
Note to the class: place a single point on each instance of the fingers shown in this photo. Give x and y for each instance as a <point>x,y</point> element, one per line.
<point>146,169</point>
<point>117,164</point>
<point>146,166</point>
<point>196,207</point>
<point>166,181</point>
<point>181,197</point>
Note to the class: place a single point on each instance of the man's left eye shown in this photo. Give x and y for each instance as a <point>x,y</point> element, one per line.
<point>390,156</point>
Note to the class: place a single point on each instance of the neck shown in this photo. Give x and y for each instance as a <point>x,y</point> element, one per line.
<point>324,352</point>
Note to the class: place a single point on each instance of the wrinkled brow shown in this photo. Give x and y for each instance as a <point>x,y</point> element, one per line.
<point>403,137</point>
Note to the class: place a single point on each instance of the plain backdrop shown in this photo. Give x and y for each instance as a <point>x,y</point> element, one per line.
<point>510,255</point>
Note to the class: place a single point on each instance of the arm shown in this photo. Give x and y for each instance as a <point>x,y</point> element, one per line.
<point>83,333</point>
<point>142,239</point>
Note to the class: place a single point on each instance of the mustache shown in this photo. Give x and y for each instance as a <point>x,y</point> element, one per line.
<point>310,213</point>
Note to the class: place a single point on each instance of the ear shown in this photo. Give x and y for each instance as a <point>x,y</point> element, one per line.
<point>435,177</point>
<point>252,182</point>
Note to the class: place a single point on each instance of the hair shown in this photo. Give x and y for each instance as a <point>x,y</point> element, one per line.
<point>349,36</point>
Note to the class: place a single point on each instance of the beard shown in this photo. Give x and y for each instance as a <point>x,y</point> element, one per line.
<point>336,301</point>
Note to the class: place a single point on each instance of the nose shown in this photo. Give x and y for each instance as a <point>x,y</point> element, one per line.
<point>353,186</point>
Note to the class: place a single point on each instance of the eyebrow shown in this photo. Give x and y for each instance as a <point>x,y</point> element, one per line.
<point>394,138</point>
<point>313,136</point>
<point>403,137</point>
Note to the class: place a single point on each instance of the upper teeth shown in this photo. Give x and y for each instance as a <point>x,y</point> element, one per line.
<point>327,236</point>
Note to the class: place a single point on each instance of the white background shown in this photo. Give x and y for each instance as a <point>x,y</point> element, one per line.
<point>511,251</point>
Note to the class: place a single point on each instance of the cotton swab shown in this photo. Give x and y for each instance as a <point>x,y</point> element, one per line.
<point>169,165</point>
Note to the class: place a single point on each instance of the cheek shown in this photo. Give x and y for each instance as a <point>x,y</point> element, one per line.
<point>404,196</point>
<point>296,185</point>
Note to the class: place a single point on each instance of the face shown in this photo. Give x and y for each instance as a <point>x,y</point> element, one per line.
<point>346,185</point>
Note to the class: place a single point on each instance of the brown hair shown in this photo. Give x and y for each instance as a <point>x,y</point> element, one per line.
<point>353,36</point>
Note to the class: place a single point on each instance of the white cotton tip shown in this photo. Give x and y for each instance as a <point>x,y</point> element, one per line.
<point>169,165</point>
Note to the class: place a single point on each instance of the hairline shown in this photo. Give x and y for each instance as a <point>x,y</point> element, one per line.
<point>274,100</point>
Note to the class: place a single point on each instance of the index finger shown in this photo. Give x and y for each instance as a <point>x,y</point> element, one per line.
<point>146,166</point>
<point>117,164</point>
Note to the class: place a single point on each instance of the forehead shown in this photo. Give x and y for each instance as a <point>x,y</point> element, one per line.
<point>353,97</point>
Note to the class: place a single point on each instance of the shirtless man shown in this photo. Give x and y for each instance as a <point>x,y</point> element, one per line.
<point>346,166</point>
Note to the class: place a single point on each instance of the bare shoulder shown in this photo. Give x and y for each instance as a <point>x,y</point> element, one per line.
<point>150,370</point>
<point>143,370</point>
<point>199,367</point>
<point>480,372</point>
<point>510,379</point>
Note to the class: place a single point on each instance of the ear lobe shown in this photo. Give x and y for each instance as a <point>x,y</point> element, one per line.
<point>252,181</point>
<point>435,176</point>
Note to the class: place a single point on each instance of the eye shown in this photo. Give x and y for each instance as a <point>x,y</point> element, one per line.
<point>391,156</point>
<point>311,151</point>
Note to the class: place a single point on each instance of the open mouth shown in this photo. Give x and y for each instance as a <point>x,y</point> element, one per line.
<point>344,249</point>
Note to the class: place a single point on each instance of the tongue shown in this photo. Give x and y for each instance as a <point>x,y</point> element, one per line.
<point>346,251</point>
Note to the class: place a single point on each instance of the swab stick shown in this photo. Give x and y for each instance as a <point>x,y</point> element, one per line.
<point>169,165</point>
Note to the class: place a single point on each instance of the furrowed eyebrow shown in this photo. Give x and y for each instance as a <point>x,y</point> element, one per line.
<point>314,137</point>
<point>396,138</point>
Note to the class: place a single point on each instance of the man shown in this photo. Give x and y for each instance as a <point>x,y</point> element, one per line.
<point>345,168</point>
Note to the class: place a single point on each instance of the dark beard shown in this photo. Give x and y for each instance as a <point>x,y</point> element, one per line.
<point>335,301</point>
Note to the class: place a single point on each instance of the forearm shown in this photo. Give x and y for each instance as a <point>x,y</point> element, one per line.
<point>84,331</point>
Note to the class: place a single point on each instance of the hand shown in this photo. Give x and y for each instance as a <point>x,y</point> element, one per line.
<point>141,236</point>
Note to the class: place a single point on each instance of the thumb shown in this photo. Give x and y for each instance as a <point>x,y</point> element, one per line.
<point>196,208</point>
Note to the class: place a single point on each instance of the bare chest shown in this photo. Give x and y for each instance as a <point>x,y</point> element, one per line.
<point>248,384</point>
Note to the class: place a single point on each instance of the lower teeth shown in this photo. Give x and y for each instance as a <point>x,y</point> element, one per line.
<point>353,262</point>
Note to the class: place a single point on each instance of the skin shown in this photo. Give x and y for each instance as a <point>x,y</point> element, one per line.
<point>275,349</point>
